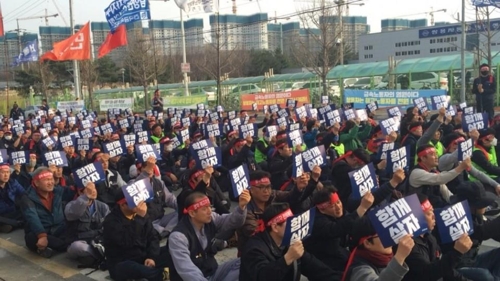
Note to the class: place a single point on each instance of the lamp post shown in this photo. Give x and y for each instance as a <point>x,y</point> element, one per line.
<point>123,76</point>
<point>340,4</point>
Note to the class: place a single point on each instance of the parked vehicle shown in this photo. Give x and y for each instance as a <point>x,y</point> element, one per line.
<point>365,83</point>
<point>247,89</point>
<point>422,80</point>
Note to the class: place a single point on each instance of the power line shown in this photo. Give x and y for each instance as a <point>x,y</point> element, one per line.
<point>20,7</point>
<point>11,18</point>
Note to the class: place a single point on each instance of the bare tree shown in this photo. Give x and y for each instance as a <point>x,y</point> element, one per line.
<point>46,77</point>
<point>143,61</point>
<point>317,49</point>
<point>89,75</point>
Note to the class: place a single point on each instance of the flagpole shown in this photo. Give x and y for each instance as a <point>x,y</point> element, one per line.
<point>76,71</point>
<point>7,72</point>
<point>462,56</point>
<point>184,60</point>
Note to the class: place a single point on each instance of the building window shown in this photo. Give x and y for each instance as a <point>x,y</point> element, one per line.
<point>432,51</point>
<point>417,52</point>
<point>404,53</point>
<point>410,53</point>
<point>398,54</point>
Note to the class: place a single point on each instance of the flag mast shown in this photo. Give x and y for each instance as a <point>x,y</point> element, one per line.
<point>76,70</point>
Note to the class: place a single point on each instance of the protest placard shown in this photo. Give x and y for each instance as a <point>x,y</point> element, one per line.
<point>282,122</point>
<point>465,149</point>
<point>144,151</point>
<point>350,114</point>
<point>313,157</point>
<point>332,117</point>
<point>137,192</point>
<point>295,138</point>
<point>299,227</point>
<point>421,104</point>
<point>114,148</point>
<point>393,112</point>
<point>66,141</point>
<point>361,114</point>
<point>142,137</point>
<point>440,101</point>
<point>19,157</point>
<point>372,107</point>
<point>325,100</point>
<point>272,131</point>
<point>363,180</point>
<point>213,130</point>
<point>301,112</point>
<point>399,218</point>
<point>83,144</point>
<point>93,172</point>
<point>297,166</point>
<point>240,179</point>
<point>476,121</point>
<point>248,130</point>
<point>57,158</point>
<point>454,221</point>
<point>398,159</point>
<point>383,148</point>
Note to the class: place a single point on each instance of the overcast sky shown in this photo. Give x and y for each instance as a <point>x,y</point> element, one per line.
<point>93,10</point>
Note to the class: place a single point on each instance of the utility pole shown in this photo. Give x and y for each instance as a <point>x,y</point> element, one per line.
<point>462,55</point>
<point>184,60</point>
<point>76,70</point>
<point>217,35</point>
<point>20,47</point>
<point>341,24</point>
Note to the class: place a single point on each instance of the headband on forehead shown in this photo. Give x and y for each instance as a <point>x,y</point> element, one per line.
<point>425,152</point>
<point>281,217</point>
<point>416,128</point>
<point>281,145</point>
<point>241,142</point>
<point>426,206</point>
<point>457,141</point>
<point>4,167</point>
<point>334,198</point>
<point>197,205</point>
<point>264,180</point>
<point>43,175</point>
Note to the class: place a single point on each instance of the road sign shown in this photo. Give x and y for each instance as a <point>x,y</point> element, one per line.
<point>185,67</point>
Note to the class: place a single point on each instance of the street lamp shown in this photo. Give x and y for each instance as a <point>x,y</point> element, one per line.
<point>123,76</point>
<point>340,41</point>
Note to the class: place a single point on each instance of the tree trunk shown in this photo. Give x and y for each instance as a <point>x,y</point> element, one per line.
<point>145,86</point>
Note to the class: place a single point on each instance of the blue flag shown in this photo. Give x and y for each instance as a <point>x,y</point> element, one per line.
<point>486,3</point>
<point>29,53</point>
<point>126,11</point>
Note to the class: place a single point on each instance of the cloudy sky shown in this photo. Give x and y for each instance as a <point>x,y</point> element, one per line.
<point>93,10</point>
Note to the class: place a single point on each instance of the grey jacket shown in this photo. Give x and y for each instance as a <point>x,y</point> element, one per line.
<point>393,272</point>
<point>449,161</point>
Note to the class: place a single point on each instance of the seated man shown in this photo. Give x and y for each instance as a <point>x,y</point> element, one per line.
<point>192,244</point>
<point>264,258</point>
<point>484,156</point>
<point>42,209</point>
<point>132,245</point>
<point>10,192</point>
<point>84,217</point>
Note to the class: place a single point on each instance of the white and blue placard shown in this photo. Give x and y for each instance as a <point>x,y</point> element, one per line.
<point>71,120</point>
<point>421,104</point>
<point>295,138</point>
<point>297,165</point>
<point>93,172</point>
<point>86,124</point>
<point>4,157</point>
<point>240,179</point>
<point>440,101</point>
<point>465,149</point>
<point>301,112</point>
<point>200,106</point>
<point>18,130</point>
<point>67,141</point>
<point>137,192</point>
<point>28,54</point>
<point>57,158</point>
<point>220,108</point>
<point>325,109</point>
<point>299,227</point>
<point>294,126</point>
<point>283,112</point>
<point>454,221</point>
<point>114,148</point>
<point>372,107</point>
<point>350,114</point>
<point>255,107</point>
<point>363,180</point>
<point>49,142</point>
<point>248,130</point>
<point>332,117</point>
<point>325,100</point>
<point>469,110</point>
<point>462,105</point>
<point>213,130</point>
<point>361,114</point>
<point>393,112</point>
<point>148,113</point>
<point>312,157</point>
<point>234,123</point>
<point>214,116</point>
<point>142,136</point>
<point>185,122</point>
<point>144,151</point>
<point>398,159</point>
<point>265,108</point>
<point>390,125</point>
<point>272,131</point>
<point>476,121</point>
<point>291,103</point>
<point>231,115</point>
<point>451,110</point>
<point>124,123</point>
<point>47,126</point>
<point>274,108</point>
<point>200,112</point>
<point>139,126</point>
<point>184,135</point>
<point>383,148</point>
<point>282,122</point>
<point>19,157</point>
<point>401,217</point>
<point>312,113</point>
<point>86,134</point>
<point>210,156</point>
<point>83,144</point>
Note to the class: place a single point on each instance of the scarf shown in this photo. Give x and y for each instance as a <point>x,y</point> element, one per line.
<point>377,259</point>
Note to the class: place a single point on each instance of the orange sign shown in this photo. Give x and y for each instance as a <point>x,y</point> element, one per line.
<point>247,100</point>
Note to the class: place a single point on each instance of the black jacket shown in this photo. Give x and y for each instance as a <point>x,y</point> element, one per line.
<point>328,239</point>
<point>279,166</point>
<point>124,239</point>
<point>263,260</point>
<point>426,262</point>
<point>341,180</point>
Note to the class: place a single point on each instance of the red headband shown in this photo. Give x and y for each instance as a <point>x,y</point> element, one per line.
<point>43,175</point>
<point>281,217</point>
<point>426,151</point>
<point>334,198</point>
<point>426,206</point>
<point>265,181</point>
<point>197,174</point>
<point>281,145</point>
<point>460,139</point>
<point>280,136</point>
<point>4,167</point>
<point>197,205</point>
<point>415,128</point>
<point>241,142</point>
<point>121,201</point>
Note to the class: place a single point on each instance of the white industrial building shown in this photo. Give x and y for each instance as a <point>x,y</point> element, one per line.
<point>426,41</point>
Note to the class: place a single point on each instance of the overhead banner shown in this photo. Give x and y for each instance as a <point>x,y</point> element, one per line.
<point>123,104</point>
<point>183,102</point>
<point>280,98</point>
<point>388,98</point>
<point>70,105</point>
<point>457,28</point>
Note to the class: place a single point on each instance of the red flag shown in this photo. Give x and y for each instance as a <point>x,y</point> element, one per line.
<point>113,41</point>
<point>2,31</point>
<point>76,47</point>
